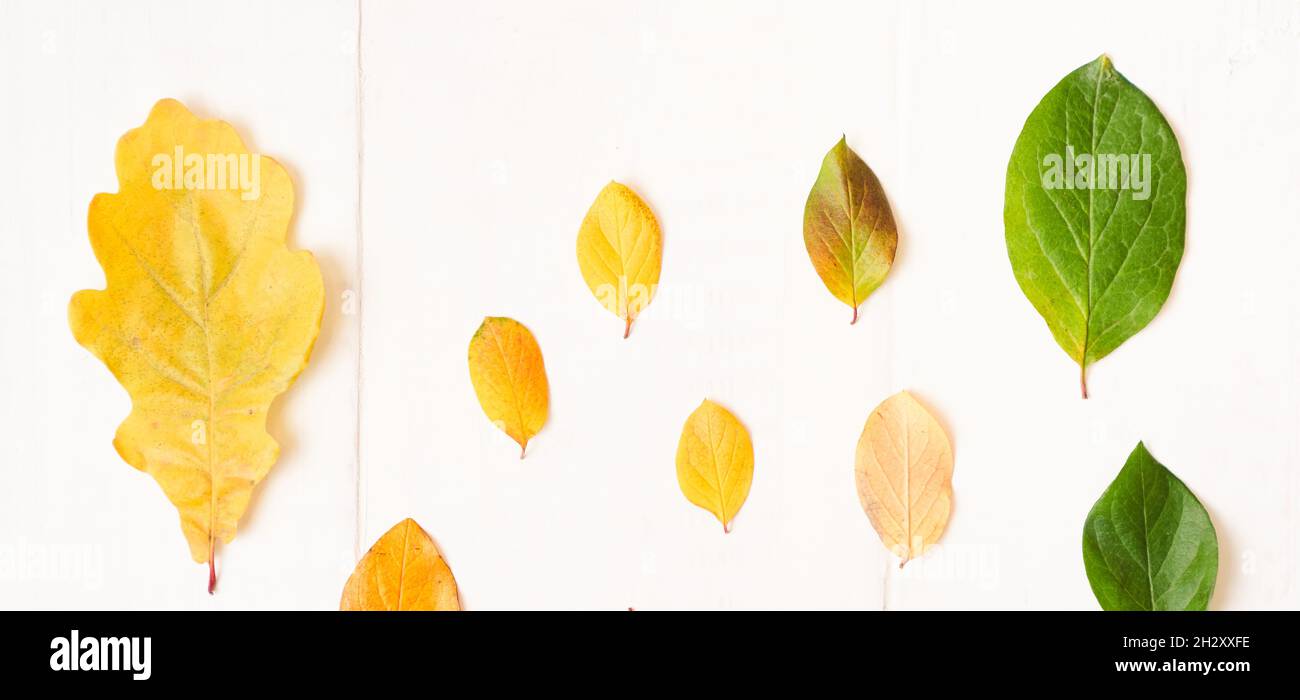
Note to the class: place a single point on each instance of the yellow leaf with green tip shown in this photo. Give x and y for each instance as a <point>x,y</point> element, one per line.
<point>509,377</point>
<point>848,228</point>
<point>206,317</point>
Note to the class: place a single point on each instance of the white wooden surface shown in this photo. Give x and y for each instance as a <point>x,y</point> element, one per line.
<point>441,176</point>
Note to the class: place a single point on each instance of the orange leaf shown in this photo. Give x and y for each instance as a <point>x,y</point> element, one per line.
<point>402,571</point>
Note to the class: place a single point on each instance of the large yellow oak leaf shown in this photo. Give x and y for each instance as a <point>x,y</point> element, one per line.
<point>505,366</point>
<point>206,316</point>
<point>403,571</point>
<point>904,475</point>
<point>715,462</point>
<point>620,249</point>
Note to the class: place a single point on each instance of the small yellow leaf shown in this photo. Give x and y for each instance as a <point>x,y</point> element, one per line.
<point>402,571</point>
<point>715,462</point>
<point>505,366</point>
<point>206,316</point>
<point>620,248</point>
<point>904,475</point>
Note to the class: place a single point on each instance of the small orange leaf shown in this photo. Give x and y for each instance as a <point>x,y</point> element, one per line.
<point>402,571</point>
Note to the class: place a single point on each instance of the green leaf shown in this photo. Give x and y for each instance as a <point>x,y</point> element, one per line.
<point>1095,242</point>
<point>1148,544</point>
<point>848,227</point>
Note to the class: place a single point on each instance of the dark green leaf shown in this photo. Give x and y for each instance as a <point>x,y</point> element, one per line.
<point>1148,544</point>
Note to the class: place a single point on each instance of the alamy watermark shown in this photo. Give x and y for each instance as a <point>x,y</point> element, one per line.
<point>1101,171</point>
<point>52,563</point>
<point>179,170</point>
<point>977,564</point>
<point>77,653</point>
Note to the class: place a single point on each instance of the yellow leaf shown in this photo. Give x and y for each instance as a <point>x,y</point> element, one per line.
<point>715,462</point>
<point>904,475</point>
<point>403,571</point>
<point>206,316</point>
<point>505,366</point>
<point>620,248</point>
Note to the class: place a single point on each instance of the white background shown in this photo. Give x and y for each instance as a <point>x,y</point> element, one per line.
<point>441,174</point>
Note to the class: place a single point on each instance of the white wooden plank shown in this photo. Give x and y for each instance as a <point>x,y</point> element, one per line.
<point>76,76</point>
<point>479,170</point>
